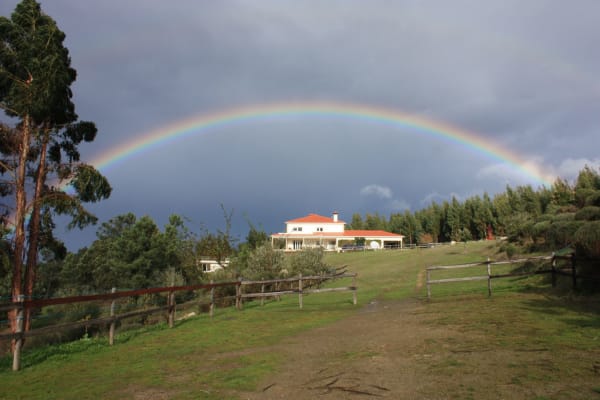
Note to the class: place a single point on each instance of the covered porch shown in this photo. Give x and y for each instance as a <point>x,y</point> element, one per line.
<point>295,242</point>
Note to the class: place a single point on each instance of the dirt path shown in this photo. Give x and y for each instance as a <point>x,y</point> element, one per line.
<point>374,353</point>
<point>401,350</point>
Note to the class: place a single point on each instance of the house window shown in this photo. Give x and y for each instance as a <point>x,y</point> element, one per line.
<point>205,267</point>
<point>297,229</point>
<point>297,244</point>
<point>319,229</point>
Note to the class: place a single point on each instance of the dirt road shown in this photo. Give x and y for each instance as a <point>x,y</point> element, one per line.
<point>398,350</point>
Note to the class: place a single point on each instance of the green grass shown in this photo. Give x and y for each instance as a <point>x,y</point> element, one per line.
<point>203,358</point>
<point>191,360</point>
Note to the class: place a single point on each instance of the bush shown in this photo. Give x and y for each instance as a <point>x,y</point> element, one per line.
<point>587,240</point>
<point>581,196</point>
<point>509,248</point>
<point>265,262</point>
<point>593,199</point>
<point>561,233</point>
<point>541,228</point>
<point>64,314</point>
<point>564,217</point>
<point>224,295</point>
<point>309,262</point>
<point>589,213</point>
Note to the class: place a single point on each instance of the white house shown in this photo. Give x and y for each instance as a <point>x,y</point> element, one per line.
<point>330,233</point>
<point>209,264</point>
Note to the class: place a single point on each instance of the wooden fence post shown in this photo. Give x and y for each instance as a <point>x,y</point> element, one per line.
<point>574,271</point>
<point>171,302</point>
<point>300,290</point>
<point>489,272</point>
<point>111,331</point>
<point>428,285</point>
<point>262,291</point>
<point>19,340</point>
<point>553,264</point>
<point>212,300</point>
<point>238,295</point>
<point>354,291</point>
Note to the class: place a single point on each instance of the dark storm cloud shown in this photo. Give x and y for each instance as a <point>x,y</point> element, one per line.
<point>519,74</point>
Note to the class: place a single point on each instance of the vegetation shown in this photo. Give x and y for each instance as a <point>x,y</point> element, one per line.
<point>40,152</point>
<point>547,219</point>
<point>39,155</point>
<point>232,354</point>
<point>132,252</point>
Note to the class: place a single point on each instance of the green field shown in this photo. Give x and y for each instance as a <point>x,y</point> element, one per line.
<point>229,355</point>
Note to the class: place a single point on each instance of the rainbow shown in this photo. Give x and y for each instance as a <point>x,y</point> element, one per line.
<point>377,115</point>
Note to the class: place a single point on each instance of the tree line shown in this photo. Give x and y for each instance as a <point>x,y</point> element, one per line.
<point>548,218</point>
<point>134,252</point>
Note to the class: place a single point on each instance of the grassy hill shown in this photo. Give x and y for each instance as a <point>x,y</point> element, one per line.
<point>231,355</point>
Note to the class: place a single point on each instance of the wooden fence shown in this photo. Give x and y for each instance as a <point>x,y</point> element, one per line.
<point>554,270</point>
<point>304,285</point>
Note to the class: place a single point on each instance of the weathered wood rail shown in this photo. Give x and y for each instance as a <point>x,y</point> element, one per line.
<point>170,308</point>
<point>554,270</point>
<point>301,290</point>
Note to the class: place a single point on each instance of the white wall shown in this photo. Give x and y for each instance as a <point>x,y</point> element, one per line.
<point>312,227</point>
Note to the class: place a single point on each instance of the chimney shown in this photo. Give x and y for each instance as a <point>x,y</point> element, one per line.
<point>335,216</point>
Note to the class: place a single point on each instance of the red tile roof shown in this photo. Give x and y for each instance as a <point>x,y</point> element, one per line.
<point>315,218</point>
<point>366,233</point>
<point>348,234</point>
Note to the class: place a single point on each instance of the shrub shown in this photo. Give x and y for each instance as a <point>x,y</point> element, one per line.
<point>308,262</point>
<point>62,314</point>
<point>593,199</point>
<point>541,228</point>
<point>564,217</point>
<point>581,196</point>
<point>561,233</point>
<point>509,248</point>
<point>587,240</point>
<point>265,262</point>
<point>589,213</point>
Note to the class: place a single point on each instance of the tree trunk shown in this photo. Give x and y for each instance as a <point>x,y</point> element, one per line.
<point>20,215</point>
<point>34,228</point>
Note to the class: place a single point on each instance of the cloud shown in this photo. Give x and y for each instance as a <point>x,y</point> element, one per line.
<point>570,168</point>
<point>510,72</point>
<point>383,192</point>
<point>399,205</point>
<point>509,175</point>
<point>434,197</point>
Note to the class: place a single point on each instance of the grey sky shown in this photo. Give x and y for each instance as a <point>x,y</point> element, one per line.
<point>522,74</point>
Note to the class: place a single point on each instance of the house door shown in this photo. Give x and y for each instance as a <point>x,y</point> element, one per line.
<point>297,245</point>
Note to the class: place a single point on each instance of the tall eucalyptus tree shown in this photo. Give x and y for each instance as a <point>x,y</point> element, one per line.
<point>39,154</point>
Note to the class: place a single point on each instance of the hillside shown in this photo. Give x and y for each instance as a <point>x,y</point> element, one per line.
<point>525,342</point>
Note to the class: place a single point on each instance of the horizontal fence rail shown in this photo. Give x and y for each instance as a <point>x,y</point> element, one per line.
<point>489,276</point>
<point>304,286</point>
<point>296,285</point>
